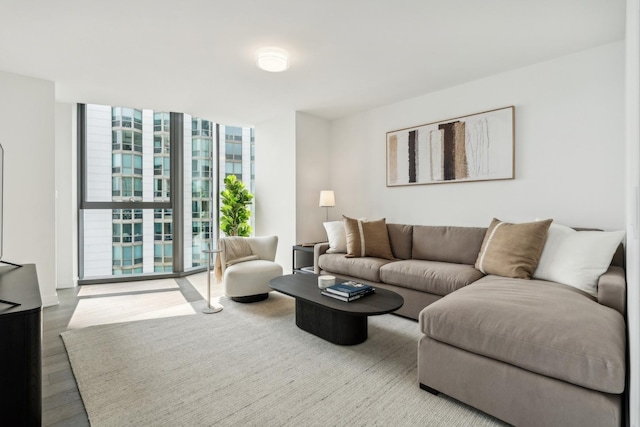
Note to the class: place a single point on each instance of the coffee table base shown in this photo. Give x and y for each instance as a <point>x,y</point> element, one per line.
<point>334,326</point>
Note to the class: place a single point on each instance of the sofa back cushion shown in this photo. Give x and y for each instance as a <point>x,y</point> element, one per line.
<point>401,239</point>
<point>367,238</point>
<point>447,244</point>
<point>619,257</point>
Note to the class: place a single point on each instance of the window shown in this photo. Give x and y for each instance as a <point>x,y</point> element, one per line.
<point>201,127</point>
<point>128,195</point>
<point>233,151</point>
<point>161,122</point>
<point>233,133</point>
<point>233,168</point>
<point>161,143</point>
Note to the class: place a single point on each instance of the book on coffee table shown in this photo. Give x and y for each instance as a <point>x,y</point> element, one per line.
<point>347,299</point>
<point>349,289</point>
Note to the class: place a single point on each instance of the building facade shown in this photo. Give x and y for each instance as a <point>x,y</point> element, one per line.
<point>128,228</point>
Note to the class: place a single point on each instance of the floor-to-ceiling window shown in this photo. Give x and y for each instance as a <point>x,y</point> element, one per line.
<point>203,182</point>
<point>149,183</point>
<point>237,157</point>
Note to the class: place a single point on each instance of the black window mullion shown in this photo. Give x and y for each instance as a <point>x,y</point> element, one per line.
<point>176,138</point>
<point>81,123</point>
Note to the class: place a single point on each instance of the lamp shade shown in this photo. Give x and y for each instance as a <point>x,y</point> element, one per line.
<point>327,198</point>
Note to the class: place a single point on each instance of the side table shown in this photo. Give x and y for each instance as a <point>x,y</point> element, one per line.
<point>209,309</point>
<point>302,259</point>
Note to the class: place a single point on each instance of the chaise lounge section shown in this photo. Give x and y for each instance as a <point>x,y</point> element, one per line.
<point>532,353</point>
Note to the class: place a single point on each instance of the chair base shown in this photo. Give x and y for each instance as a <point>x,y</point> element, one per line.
<point>251,298</point>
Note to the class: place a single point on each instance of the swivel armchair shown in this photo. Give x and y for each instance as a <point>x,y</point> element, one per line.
<point>246,272</point>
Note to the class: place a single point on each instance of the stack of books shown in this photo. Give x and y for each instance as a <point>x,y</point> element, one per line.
<point>348,291</point>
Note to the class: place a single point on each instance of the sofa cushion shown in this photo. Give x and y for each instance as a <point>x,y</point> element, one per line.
<point>401,239</point>
<point>543,327</point>
<point>368,269</point>
<point>367,238</point>
<point>577,258</point>
<point>512,250</point>
<point>439,278</point>
<point>336,236</point>
<point>459,245</point>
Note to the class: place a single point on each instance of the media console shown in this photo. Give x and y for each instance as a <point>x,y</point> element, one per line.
<point>20,347</point>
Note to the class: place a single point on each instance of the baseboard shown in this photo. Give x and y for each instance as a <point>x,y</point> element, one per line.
<point>49,300</point>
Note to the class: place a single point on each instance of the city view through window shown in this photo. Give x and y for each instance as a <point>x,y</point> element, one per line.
<point>137,170</point>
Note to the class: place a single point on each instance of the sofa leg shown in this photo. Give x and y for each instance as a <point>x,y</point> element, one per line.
<point>251,298</point>
<point>429,389</point>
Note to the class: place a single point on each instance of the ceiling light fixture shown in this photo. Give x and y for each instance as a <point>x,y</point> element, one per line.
<point>272,59</point>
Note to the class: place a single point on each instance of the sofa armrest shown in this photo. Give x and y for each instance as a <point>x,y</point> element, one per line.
<point>612,289</point>
<point>318,250</point>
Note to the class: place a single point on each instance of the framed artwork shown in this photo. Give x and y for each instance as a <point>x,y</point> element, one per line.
<point>477,147</point>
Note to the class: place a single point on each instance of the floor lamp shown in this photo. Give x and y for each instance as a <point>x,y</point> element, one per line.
<point>327,200</point>
<point>216,307</point>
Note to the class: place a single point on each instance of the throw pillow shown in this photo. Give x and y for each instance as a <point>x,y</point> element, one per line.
<point>367,238</point>
<point>337,237</point>
<point>512,250</point>
<point>577,258</point>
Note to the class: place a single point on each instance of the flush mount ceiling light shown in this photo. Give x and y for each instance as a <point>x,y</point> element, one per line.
<point>272,59</point>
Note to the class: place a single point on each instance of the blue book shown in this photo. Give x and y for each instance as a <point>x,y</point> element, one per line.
<point>349,289</point>
<point>347,299</point>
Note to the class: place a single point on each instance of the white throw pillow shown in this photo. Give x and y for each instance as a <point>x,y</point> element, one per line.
<point>577,258</point>
<point>337,237</point>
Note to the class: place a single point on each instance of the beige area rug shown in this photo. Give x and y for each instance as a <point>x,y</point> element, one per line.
<point>250,365</point>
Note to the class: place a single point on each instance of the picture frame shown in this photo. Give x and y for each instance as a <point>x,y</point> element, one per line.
<point>475,147</point>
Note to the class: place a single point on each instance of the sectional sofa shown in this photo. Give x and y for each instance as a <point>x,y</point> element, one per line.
<point>528,351</point>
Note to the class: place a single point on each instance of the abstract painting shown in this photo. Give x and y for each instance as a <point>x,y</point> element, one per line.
<point>477,147</point>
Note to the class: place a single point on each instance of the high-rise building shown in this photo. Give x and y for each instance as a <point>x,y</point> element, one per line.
<point>128,183</point>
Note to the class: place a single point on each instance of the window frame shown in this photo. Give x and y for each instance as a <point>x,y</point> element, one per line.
<point>135,202</point>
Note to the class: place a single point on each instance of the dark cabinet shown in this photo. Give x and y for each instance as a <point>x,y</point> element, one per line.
<point>20,347</point>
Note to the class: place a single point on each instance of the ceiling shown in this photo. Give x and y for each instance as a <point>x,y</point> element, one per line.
<point>197,56</point>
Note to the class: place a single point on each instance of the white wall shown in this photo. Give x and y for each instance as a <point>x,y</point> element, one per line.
<point>633,203</point>
<point>276,183</point>
<point>312,176</point>
<point>569,149</point>
<point>66,202</point>
<point>27,133</point>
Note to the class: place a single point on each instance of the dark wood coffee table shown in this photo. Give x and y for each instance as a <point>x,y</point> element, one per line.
<point>339,322</point>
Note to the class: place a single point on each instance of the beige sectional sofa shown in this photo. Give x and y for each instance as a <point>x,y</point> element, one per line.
<point>530,352</point>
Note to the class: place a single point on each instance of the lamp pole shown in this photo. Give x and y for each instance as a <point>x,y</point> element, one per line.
<point>209,309</point>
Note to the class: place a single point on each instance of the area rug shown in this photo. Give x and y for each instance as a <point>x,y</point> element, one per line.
<point>250,365</point>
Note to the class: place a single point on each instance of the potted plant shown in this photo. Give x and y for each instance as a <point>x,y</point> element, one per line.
<point>235,215</point>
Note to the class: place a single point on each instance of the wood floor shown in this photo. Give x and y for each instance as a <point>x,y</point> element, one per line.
<point>97,304</point>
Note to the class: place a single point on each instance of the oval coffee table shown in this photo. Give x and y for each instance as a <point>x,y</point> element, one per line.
<point>339,322</point>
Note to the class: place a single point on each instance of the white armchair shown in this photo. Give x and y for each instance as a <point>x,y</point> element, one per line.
<point>246,275</point>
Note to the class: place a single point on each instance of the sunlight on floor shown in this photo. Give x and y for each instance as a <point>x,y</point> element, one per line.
<point>117,288</point>
<point>146,299</point>
<point>199,282</point>
<point>124,308</point>
<point>124,302</point>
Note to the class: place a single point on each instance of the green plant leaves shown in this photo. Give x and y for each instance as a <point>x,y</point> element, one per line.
<point>235,215</point>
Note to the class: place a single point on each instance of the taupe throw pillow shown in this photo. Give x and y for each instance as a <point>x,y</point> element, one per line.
<point>512,250</point>
<point>367,238</point>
